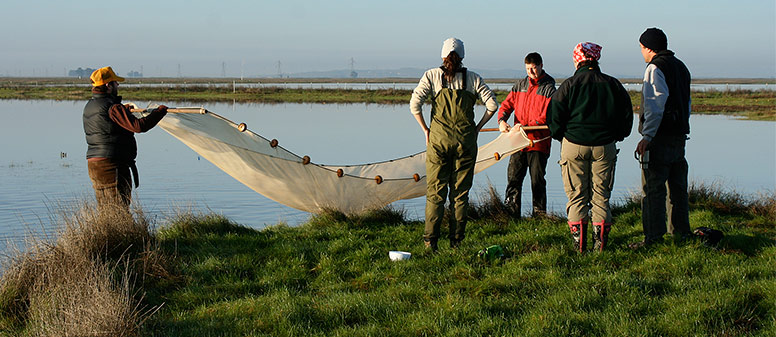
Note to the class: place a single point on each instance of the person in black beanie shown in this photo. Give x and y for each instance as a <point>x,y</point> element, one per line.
<point>654,39</point>
<point>664,123</point>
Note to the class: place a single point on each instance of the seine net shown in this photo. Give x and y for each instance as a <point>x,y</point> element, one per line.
<point>294,181</point>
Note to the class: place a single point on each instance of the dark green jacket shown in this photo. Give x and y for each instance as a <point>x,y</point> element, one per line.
<point>590,108</point>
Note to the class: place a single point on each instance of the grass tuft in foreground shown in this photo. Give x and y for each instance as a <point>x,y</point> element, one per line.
<point>88,282</point>
<point>332,276</point>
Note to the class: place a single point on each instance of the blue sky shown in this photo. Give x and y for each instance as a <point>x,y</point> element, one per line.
<point>715,38</point>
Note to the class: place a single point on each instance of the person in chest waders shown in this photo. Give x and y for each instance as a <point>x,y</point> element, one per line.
<point>451,139</point>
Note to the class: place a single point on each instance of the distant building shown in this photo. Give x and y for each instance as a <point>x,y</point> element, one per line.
<point>134,74</point>
<point>80,72</point>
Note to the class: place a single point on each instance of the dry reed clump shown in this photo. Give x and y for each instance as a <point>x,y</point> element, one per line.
<point>765,205</point>
<point>79,296</point>
<point>110,232</point>
<point>490,206</point>
<point>83,284</point>
<point>715,197</point>
<point>385,216</point>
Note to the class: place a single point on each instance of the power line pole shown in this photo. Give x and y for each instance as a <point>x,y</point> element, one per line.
<point>353,73</point>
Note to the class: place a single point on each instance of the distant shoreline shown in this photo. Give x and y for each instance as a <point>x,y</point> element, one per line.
<point>5,81</point>
<point>750,104</point>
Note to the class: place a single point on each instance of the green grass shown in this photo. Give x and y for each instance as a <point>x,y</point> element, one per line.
<point>754,105</point>
<point>332,276</point>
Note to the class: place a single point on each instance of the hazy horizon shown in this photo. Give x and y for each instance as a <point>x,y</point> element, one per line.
<point>194,38</point>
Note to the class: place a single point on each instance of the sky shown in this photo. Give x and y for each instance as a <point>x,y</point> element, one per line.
<point>193,38</point>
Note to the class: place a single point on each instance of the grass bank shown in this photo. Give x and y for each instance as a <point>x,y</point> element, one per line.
<point>757,105</point>
<point>203,275</point>
<point>332,276</point>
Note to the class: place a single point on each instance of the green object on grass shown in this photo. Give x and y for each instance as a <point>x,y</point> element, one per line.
<point>491,253</point>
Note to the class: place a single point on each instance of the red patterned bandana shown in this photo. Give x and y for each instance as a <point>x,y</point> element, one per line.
<point>586,51</point>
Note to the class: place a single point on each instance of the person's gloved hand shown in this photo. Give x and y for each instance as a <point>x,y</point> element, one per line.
<point>162,108</point>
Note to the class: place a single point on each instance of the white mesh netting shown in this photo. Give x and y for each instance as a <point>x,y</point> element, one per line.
<point>292,180</point>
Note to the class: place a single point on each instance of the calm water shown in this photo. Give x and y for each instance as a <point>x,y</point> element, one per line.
<point>35,180</point>
<point>411,85</point>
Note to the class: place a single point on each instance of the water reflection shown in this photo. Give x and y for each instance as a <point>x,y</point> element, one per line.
<point>36,179</point>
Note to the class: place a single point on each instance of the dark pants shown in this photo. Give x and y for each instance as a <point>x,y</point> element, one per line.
<point>112,182</point>
<point>664,183</point>
<point>519,163</point>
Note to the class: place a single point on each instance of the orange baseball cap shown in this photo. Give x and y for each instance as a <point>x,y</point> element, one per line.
<point>104,75</point>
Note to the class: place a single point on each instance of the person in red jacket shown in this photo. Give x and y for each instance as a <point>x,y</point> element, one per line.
<point>528,100</point>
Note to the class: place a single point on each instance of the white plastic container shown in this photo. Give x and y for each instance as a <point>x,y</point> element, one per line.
<point>396,255</point>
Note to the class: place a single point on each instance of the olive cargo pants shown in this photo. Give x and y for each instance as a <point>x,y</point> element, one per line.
<point>588,178</point>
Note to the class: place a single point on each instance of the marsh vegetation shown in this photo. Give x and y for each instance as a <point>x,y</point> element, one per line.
<point>202,274</point>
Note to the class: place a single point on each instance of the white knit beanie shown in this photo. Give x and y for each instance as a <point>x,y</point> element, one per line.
<point>452,44</point>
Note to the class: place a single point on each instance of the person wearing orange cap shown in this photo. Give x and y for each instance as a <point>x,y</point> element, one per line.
<point>589,113</point>
<point>110,129</point>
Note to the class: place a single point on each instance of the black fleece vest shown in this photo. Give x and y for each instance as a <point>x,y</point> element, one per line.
<point>105,138</point>
<point>676,115</point>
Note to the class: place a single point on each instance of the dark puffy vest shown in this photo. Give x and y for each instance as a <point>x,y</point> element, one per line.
<point>676,115</point>
<point>105,138</point>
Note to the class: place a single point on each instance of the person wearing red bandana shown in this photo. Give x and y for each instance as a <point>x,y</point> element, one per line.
<point>589,113</point>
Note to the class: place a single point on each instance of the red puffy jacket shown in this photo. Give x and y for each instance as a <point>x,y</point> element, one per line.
<point>529,99</point>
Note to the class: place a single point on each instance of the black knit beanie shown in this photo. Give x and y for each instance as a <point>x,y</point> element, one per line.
<point>655,39</point>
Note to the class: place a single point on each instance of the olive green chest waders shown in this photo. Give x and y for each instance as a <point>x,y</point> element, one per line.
<point>450,159</point>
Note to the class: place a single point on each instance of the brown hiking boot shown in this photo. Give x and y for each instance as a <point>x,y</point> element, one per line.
<point>431,245</point>
<point>513,208</point>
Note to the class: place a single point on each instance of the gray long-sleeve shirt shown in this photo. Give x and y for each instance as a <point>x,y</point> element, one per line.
<point>431,83</point>
<point>654,95</point>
